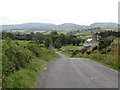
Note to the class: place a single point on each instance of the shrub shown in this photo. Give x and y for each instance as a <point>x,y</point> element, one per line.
<point>88,52</point>
<point>103,52</point>
<point>94,48</point>
<point>109,50</point>
<point>14,57</point>
<point>104,43</point>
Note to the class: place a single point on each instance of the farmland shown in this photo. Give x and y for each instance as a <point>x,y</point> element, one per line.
<point>70,47</point>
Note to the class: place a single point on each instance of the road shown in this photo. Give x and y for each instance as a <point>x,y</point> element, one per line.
<point>90,44</point>
<point>68,72</point>
<point>87,44</point>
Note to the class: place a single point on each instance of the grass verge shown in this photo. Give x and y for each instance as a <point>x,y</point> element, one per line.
<point>26,78</point>
<point>98,59</point>
<point>67,54</point>
<point>23,62</point>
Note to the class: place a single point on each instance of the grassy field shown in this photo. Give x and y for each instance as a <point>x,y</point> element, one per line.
<point>17,31</point>
<point>58,32</point>
<point>111,29</point>
<point>70,47</point>
<point>22,63</point>
<point>23,31</point>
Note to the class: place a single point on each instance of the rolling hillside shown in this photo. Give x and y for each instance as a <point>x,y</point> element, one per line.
<point>62,27</point>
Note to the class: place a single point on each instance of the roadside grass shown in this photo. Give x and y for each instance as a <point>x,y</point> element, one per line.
<point>70,47</point>
<point>33,58</point>
<point>110,59</point>
<point>100,60</point>
<point>105,60</point>
<point>67,54</point>
<point>26,77</point>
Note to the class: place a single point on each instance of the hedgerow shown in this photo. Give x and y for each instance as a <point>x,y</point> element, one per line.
<point>17,55</point>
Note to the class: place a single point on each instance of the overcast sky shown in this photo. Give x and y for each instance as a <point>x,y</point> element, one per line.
<point>82,12</point>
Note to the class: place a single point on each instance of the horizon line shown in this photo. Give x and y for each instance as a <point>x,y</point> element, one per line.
<point>59,24</point>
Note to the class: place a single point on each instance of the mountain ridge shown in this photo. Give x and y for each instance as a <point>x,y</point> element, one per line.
<point>64,26</point>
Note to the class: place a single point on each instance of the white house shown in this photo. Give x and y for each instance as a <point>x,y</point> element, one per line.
<point>90,42</point>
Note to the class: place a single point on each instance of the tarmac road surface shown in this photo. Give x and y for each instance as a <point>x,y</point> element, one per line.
<point>68,72</point>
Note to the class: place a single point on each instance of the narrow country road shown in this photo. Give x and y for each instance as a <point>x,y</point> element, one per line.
<point>68,72</point>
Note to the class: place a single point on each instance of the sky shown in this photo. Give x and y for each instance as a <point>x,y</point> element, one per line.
<point>83,12</point>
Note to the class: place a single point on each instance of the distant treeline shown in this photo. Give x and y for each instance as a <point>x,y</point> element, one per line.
<point>18,36</point>
<point>53,39</point>
<point>108,33</point>
<point>58,40</point>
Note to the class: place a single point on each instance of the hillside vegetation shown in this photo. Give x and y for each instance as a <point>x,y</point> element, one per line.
<point>106,52</point>
<point>22,63</point>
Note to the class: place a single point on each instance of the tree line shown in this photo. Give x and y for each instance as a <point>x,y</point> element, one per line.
<point>51,40</point>
<point>106,38</point>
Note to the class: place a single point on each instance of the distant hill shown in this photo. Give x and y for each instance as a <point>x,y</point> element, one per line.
<point>29,26</point>
<point>104,25</point>
<point>63,27</point>
<point>69,27</point>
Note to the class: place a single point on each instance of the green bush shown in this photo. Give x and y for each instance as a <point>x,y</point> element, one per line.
<point>22,62</point>
<point>81,44</point>
<point>14,57</point>
<point>104,43</point>
<point>103,52</point>
<point>94,48</point>
<point>109,50</point>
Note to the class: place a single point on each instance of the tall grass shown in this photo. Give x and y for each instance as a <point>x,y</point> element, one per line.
<point>22,63</point>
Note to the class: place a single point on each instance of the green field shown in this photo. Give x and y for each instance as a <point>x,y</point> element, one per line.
<point>70,47</point>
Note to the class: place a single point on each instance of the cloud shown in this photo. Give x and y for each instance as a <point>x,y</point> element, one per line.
<point>58,11</point>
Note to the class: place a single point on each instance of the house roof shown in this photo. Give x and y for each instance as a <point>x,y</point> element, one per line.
<point>89,39</point>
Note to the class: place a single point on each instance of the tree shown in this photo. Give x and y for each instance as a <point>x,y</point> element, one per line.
<point>62,39</point>
<point>39,37</point>
<point>53,36</point>
<point>78,41</point>
<point>58,44</point>
<point>47,42</point>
